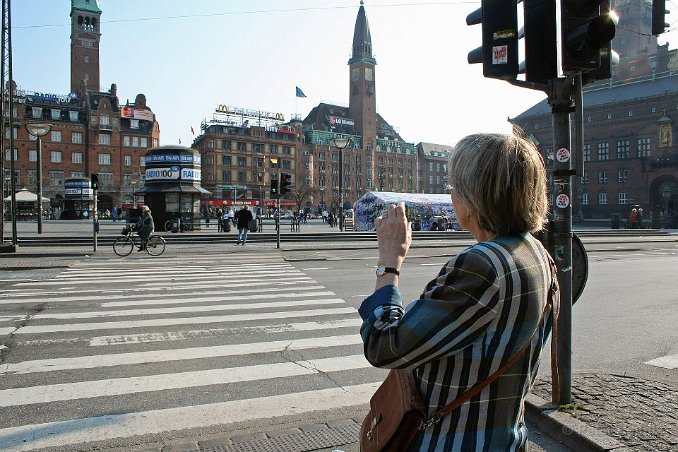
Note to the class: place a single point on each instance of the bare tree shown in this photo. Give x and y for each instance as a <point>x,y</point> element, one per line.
<point>303,193</point>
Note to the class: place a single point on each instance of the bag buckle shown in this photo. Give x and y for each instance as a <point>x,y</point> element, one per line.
<point>423,425</point>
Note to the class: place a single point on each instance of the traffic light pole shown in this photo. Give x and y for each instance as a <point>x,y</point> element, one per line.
<point>94,221</point>
<point>560,99</point>
<point>277,212</point>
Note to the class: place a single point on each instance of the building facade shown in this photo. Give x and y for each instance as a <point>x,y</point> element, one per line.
<point>91,132</point>
<point>629,156</point>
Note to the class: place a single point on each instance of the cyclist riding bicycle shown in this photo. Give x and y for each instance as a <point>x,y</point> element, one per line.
<point>145,226</point>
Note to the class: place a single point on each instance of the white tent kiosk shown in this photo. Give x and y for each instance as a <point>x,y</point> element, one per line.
<point>424,209</point>
<point>27,204</point>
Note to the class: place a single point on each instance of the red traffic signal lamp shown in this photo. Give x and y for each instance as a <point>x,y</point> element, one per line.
<point>587,27</point>
<point>285,183</point>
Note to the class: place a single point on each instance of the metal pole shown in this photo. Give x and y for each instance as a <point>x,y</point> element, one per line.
<point>277,210</point>
<point>94,222</point>
<point>561,107</point>
<point>39,176</point>
<point>341,189</point>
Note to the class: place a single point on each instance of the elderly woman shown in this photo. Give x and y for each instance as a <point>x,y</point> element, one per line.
<point>482,308</point>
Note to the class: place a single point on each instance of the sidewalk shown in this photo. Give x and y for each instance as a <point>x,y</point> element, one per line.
<point>612,412</point>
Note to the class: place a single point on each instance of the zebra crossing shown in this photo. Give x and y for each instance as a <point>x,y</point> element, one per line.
<point>129,348</point>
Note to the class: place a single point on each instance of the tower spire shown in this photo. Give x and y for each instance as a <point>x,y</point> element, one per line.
<point>362,41</point>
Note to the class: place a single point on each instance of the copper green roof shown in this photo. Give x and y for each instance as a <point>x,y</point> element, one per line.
<point>86,5</point>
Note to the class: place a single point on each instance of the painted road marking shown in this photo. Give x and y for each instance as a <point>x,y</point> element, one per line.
<point>100,428</point>
<point>181,380</point>
<point>39,329</point>
<point>667,362</point>
<point>157,356</point>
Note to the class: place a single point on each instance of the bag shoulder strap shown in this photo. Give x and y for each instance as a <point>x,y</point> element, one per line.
<point>456,403</point>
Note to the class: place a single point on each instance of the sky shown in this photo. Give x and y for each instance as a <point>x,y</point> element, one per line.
<point>188,57</point>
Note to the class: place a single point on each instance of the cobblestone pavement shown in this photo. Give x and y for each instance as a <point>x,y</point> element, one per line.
<point>641,414</point>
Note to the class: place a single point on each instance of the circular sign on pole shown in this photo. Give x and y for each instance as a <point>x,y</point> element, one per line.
<point>562,201</point>
<point>563,155</point>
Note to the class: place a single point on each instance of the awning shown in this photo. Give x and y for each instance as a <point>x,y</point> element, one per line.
<point>172,188</point>
<point>24,195</point>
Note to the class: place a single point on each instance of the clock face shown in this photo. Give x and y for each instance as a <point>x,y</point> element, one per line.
<point>368,73</point>
<point>355,74</point>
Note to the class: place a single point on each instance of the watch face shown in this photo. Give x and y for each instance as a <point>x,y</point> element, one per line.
<point>381,270</point>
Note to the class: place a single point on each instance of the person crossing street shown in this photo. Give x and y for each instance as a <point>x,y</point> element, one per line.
<point>242,219</point>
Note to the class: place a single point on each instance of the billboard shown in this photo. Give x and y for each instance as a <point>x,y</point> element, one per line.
<point>135,113</point>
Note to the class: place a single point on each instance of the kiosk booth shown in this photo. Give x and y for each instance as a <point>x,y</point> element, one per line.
<point>172,187</point>
<point>27,206</point>
<point>78,199</point>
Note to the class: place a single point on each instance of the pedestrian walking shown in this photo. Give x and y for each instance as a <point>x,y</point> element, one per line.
<point>231,216</point>
<point>243,218</point>
<point>487,307</point>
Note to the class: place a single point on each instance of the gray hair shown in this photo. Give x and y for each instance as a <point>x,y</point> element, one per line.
<point>502,179</point>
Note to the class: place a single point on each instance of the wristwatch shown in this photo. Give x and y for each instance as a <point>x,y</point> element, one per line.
<point>381,270</point>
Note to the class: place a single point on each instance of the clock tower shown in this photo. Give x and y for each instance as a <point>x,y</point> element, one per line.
<point>362,100</point>
<point>85,38</point>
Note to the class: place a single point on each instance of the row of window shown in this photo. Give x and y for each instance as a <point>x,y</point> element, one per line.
<point>622,177</point>
<point>56,178</point>
<point>622,198</point>
<point>242,146</point>
<point>104,158</point>
<point>104,138</point>
<point>622,151</point>
<point>609,115</point>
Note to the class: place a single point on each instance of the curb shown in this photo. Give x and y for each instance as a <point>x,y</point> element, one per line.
<point>566,429</point>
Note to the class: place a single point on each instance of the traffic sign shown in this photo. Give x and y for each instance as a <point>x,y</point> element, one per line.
<point>232,187</point>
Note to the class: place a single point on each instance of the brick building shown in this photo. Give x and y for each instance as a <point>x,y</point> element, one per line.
<point>237,149</point>
<point>629,152</point>
<point>91,132</point>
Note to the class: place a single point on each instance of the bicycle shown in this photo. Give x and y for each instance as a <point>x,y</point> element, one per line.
<point>123,246</point>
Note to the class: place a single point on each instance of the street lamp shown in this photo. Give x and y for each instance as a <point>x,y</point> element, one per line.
<point>340,143</point>
<point>381,179</point>
<point>38,130</point>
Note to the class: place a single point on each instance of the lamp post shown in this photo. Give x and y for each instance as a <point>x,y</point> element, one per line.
<point>340,143</point>
<point>38,130</point>
<point>381,179</point>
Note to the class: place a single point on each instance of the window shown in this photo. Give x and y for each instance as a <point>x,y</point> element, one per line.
<point>623,199</point>
<point>210,144</point>
<point>106,179</point>
<point>622,176</point>
<point>36,112</point>
<point>126,141</point>
<point>135,142</point>
<point>242,161</point>
<point>274,150</point>
<point>241,146</point>
<point>227,176</point>
<point>143,142</point>
<point>287,164</point>
<point>104,138</point>
<point>127,180</point>
<point>55,114</point>
<point>603,151</point>
<point>226,160</point>
<point>602,177</point>
<point>32,155</point>
<point>142,161</point>
<point>8,155</point>
<point>260,162</point>
<point>55,156</point>
<point>258,148</point>
<point>105,120</point>
<point>73,115</point>
<point>133,123</point>
<point>602,198</point>
<point>643,149</point>
<point>587,152</point>
<point>623,147</point>
<point>15,132</point>
<point>585,178</point>
<point>104,159</point>
<point>242,176</point>
<point>77,174</point>
<point>585,198</point>
<point>226,145</point>
<point>76,137</point>
<point>56,178</point>
<point>76,157</point>
<point>56,136</point>
<point>287,150</point>
<point>127,160</point>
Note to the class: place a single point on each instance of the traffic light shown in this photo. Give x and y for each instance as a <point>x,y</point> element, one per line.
<point>587,27</point>
<point>274,188</point>
<point>284,183</point>
<point>659,12</point>
<point>94,181</point>
<point>541,46</point>
<point>499,51</point>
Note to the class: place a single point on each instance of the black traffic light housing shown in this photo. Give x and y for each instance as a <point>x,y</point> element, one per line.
<point>659,11</point>
<point>274,188</point>
<point>284,183</point>
<point>499,50</point>
<point>540,33</point>
<point>94,181</point>
<point>587,27</point>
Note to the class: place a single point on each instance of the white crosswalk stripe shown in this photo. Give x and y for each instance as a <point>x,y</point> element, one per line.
<point>173,344</point>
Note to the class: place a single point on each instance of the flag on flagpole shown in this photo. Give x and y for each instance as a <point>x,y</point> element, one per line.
<point>300,93</point>
<point>192,131</point>
<point>179,140</point>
